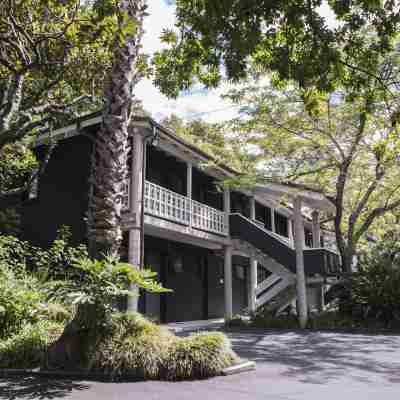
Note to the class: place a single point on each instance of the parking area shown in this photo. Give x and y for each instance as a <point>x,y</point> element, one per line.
<point>290,365</point>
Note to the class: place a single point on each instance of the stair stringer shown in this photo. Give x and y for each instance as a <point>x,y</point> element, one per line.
<point>268,262</point>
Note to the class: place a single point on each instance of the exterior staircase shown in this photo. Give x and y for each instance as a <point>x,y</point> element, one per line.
<point>276,255</point>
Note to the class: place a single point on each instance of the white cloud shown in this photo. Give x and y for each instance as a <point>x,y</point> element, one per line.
<point>197,103</point>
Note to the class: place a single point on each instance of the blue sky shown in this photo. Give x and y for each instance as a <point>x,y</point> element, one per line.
<point>197,103</point>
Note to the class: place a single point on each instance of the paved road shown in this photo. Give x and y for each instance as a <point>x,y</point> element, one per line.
<point>290,366</point>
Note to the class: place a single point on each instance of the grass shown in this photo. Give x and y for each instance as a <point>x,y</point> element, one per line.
<point>133,348</point>
<point>140,348</point>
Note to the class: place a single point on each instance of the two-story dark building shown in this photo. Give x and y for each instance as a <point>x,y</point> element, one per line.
<point>222,252</point>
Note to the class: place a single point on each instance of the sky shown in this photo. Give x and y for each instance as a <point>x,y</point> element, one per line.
<point>204,104</point>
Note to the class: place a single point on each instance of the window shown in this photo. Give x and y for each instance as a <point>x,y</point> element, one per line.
<point>308,237</point>
<point>281,225</point>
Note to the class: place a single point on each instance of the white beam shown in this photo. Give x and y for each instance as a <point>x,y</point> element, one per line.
<point>189,183</point>
<point>253,285</point>
<point>227,205</point>
<point>300,275</point>
<point>316,229</point>
<point>273,229</point>
<point>290,231</point>
<point>252,208</point>
<point>135,236</point>
<point>228,282</point>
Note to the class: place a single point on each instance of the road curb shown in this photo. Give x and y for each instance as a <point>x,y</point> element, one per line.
<point>99,376</point>
<point>239,368</point>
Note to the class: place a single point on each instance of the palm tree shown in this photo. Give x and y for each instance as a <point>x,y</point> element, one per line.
<point>111,142</point>
<point>109,170</point>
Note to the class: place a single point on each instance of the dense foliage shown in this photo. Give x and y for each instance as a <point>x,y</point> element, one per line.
<point>141,349</point>
<point>293,39</point>
<point>39,301</point>
<point>53,55</point>
<point>375,289</point>
<point>227,149</point>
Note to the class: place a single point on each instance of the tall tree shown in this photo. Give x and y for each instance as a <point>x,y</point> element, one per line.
<point>54,56</point>
<point>229,39</point>
<point>109,170</point>
<point>111,142</point>
<point>346,149</point>
<point>227,149</point>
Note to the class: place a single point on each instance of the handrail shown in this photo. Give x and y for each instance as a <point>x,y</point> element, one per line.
<point>167,204</point>
<point>282,239</point>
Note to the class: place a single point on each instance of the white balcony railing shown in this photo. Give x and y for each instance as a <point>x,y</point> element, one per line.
<point>166,204</point>
<point>172,206</point>
<point>207,218</point>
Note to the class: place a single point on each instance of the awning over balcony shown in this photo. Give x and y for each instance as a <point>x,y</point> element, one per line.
<point>309,197</point>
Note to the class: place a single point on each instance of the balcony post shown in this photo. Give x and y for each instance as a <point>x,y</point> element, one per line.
<point>273,229</point>
<point>227,207</point>
<point>253,265</point>
<point>253,285</point>
<point>189,189</point>
<point>135,203</point>
<point>228,282</point>
<point>300,275</point>
<point>252,208</point>
<point>316,229</point>
<point>290,230</point>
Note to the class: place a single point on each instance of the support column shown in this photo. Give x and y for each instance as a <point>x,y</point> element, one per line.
<point>302,311</point>
<point>290,231</point>
<point>189,183</point>
<point>227,206</point>
<point>273,229</point>
<point>252,208</point>
<point>322,298</point>
<point>228,282</point>
<point>253,285</point>
<point>253,265</point>
<point>136,197</point>
<point>316,229</point>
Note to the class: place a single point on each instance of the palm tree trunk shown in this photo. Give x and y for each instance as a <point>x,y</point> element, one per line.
<point>111,143</point>
<point>109,169</point>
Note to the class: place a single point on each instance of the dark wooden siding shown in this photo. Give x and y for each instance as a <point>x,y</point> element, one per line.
<point>63,194</point>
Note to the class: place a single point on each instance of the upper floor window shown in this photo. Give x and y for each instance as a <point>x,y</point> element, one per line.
<point>281,225</point>
<point>308,237</point>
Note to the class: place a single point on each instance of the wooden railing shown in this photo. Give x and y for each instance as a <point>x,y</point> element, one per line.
<point>172,206</point>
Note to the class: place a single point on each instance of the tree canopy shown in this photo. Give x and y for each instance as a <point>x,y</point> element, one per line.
<point>225,147</point>
<point>54,55</point>
<point>232,38</point>
<point>346,149</point>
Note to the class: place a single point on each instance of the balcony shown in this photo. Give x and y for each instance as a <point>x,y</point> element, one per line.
<point>171,206</point>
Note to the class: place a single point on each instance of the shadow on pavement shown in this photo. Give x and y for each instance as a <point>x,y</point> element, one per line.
<point>25,387</point>
<point>316,357</point>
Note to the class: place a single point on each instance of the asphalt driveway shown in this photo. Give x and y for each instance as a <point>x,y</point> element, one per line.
<point>290,365</point>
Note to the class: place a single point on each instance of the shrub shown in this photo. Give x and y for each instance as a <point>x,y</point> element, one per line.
<point>14,253</point>
<point>266,319</point>
<point>339,320</point>
<point>23,300</point>
<point>237,322</point>
<point>27,348</point>
<point>374,291</point>
<point>200,355</point>
<point>139,348</point>
<point>134,347</point>
<point>56,262</point>
<point>20,297</point>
